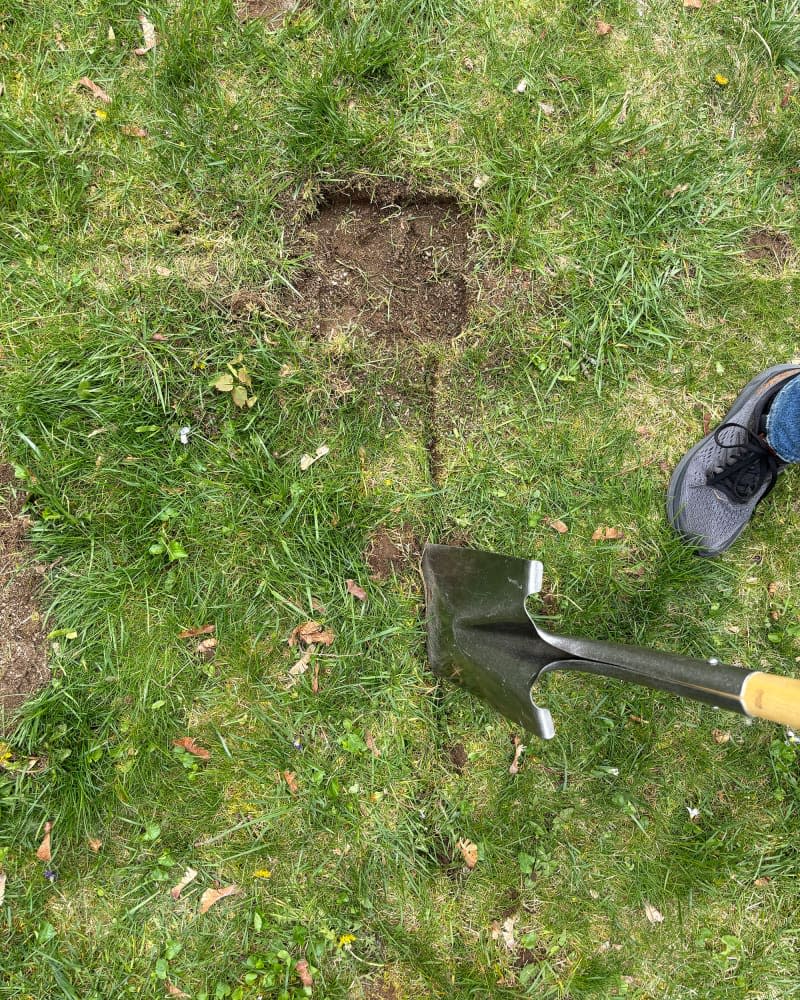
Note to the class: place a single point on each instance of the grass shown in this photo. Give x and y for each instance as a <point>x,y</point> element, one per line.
<point>629,205</point>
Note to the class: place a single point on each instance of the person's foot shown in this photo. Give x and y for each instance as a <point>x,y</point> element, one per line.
<point>716,485</point>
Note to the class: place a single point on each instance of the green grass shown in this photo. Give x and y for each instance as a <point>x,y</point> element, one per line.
<point>641,313</point>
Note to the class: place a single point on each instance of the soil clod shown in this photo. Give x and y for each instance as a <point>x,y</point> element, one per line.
<point>385,265</point>
<point>770,246</point>
<point>23,658</point>
<point>458,757</point>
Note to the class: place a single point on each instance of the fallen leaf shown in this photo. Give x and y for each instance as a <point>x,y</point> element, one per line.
<point>469,852</point>
<point>311,633</point>
<point>212,896</point>
<point>291,780</point>
<point>678,189</point>
<point>519,750</point>
<point>788,90</point>
<point>174,991</point>
<point>468,64</point>
<point>159,337</point>
<point>188,877</point>
<point>2,887</point>
<point>772,589</point>
<point>134,131</point>
<point>720,736</point>
<point>110,36</point>
<point>761,882</point>
<point>297,671</point>
<point>149,35</point>
<point>239,396</point>
<point>354,589</point>
<point>224,383</point>
<point>286,371</point>
<point>315,680</point>
<point>207,648</point>
<point>480,181</point>
<point>706,421</point>
<point>546,108</point>
<point>188,744</point>
<point>302,970</point>
<point>94,90</point>
<point>652,914</point>
<point>522,86</point>
<point>505,932</point>
<point>607,534</point>
<point>644,431</point>
<point>557,525</point>
<point>306,461</point>
<point>60,42</point>
<point>369,739</point>
<point>95,844</point>
<point>163,272</point>
<point>43,852</point>
<point>603,28</point>
<point>639,719</point>
<point>193,633</point>
<point>692,4</point>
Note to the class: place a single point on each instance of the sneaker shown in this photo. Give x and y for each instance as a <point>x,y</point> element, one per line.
<point>718,483</point>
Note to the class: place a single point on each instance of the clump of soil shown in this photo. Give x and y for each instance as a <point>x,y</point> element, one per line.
<point>23,658</point>
<point>385,265</point>
<point>458,757</point>
<point>770,246</point>
<point>388,552</point>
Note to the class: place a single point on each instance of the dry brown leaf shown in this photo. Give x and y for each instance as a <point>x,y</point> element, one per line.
<point>557,525</point>
<point>505,932</point>
<point>212,896</point>
<point>174,991</point>
<point>306,461</point>
<point>469,852</point>
<point>762,881</point>
<point>678,189</point>
<point>94,90</point>
<point>788,90</point>
<point>207,648</point>
<point>639,719</point>
<point>159,337</point>
<point>706,421</point>
<point>291,780</point>
<point>602,534</point>
<point>720,736</point>
<point>311,633</point>
<point>644,431</point>
<point>519,750</point>
<point>297,671</point>
<point>95,845</point>
<point>188,877</point>
<point>354,589</point>
<point>653,914</point>
<point>772,589</point>
<point>2,887</point>
<point>302,970</point>
<point>43,852</point>
<point>163,272</point>
<point>369,739</point>
<point>149,36</point>
<point>315,680</point>
<point>188,744</point>
<point>547,108</point>
<point>193,633</point>
<point>692,4</point>
<point>603,28</point>
<point>134,131</point>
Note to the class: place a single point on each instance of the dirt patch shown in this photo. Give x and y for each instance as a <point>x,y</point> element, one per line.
<point>384,264</point>
<point>770,246</point>
<point>274,12</point>
<point>390,551</point>
<point>23,659</point>
<point>458,757</point>
<point>381,991</point>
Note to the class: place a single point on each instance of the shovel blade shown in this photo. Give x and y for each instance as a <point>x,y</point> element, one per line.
<point>479,634</point>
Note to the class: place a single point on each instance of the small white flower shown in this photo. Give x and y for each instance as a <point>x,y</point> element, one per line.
<point>693,813</point>
<point>183,434</point>
<point>522,86</point>
<point>614,771</point>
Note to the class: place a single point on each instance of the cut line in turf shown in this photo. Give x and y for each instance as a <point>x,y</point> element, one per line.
<point>385,266</point>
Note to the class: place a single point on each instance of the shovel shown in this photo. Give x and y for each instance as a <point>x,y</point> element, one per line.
<point>481,635</point>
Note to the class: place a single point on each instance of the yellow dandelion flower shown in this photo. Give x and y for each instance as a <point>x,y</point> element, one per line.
<point>723,81</point>
<point>262,873</point>
<point>100,114</point>
<point>346,940</point>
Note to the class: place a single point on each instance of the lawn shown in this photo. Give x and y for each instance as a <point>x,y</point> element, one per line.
<point>492,267</point>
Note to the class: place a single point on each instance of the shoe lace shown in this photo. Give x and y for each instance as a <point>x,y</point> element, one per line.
<point>749,463</point>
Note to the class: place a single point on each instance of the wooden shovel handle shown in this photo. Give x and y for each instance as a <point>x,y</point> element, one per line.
<point>768,696</point>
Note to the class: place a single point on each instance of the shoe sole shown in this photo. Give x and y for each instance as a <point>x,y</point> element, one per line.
<point>676,480</point>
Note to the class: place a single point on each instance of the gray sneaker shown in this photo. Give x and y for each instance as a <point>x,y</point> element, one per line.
<point>716,485</point>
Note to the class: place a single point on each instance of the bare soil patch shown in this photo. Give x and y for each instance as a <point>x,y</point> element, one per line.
<point>23,658</point>
<point>272,11</point>
<point>389,552</point>
<point>384,264</point>
<point>769,245</point>
<point>383,990</point>
<point>458,757</point>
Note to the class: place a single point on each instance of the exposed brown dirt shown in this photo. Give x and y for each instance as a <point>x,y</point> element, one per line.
<point>271,11</point>
<point>458,757</point>
<point>770,246</point>
<point>384,264</point>
<point>23,658</point>
<point>390,552</point>
<point>382,991</point>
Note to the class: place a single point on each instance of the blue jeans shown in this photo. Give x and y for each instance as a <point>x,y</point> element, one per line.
<point>783,422</point>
